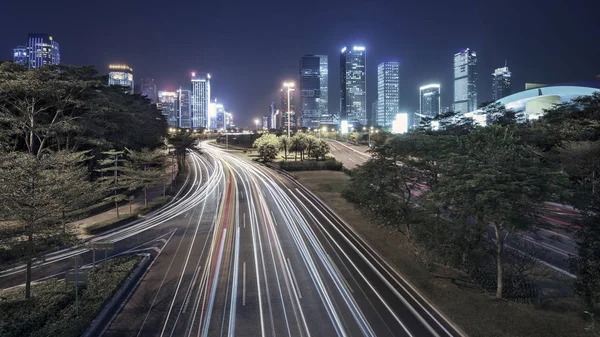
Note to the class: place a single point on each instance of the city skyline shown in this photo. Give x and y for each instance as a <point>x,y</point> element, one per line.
<point>424,55</point>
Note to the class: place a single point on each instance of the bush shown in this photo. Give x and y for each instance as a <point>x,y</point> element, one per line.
<point>154,205</point>
<point>50,312</point>
<point>331,165</point>
<point>103,226</point>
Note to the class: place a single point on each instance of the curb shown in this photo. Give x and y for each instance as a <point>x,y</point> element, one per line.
<point>107,313</point>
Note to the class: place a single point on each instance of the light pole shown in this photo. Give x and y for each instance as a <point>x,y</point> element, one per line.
<point>256,123</point>
<point>290,88</point>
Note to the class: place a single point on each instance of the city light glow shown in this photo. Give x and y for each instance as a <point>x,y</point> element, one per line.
<point>344,127</point>
<point>430,86</point>
<point>400,124</point>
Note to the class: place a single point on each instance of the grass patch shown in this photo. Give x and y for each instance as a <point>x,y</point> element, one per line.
<point>476,312</point>
<point>51,309</point>
<point>154,205</point>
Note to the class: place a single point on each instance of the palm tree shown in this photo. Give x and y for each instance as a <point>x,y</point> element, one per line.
<point>284,144</point>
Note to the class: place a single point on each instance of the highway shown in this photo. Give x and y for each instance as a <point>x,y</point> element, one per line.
<point>551,242</point>
<point>261,256</point>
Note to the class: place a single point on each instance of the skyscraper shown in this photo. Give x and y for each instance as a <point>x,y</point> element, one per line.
<point>429,100</point>
<point>284,108</point>
<point>42,50</point>
<point>20,55</point>
<point>310,90</point>
<point>388,94</point>
<point>167,103</point>
<point>501,83</point>
<point>200,101</point>
<point>184,99</point>
<point>353,89</point>
<point>272,113</point>
<point>220,118</point>
<point>465,78</point>
<point>149,89</point>
<point>122,75</point>
<point>323,100</point>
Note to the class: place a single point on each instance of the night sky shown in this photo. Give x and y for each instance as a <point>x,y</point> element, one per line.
<point>251,47</point>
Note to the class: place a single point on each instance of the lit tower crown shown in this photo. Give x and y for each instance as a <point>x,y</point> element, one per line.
<point>121,74</point>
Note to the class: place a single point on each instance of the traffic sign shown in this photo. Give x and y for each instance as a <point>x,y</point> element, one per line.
<point>79,277</point>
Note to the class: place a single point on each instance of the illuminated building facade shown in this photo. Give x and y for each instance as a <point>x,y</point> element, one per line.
<point>42,50</point>
<point>184,108</point>
<point>200,101</point>
<point>353,87</point>
<point>310,90</point>
<point>20,55</point>
<point>388,94</point>
<point>429,100</point>
<point>167,104</point>
<point>220,116</point>
<point>465,81</point>
<point>121,75</point>
<point>323,100</point>
<point>501,79</point>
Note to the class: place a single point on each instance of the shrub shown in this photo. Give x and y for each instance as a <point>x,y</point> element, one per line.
<point>331,165</point>
<point>50,312</point>
<point>103,226</point>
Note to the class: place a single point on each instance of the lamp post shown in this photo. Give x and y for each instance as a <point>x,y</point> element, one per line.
<point>256,123</point>
<point>290,88</point>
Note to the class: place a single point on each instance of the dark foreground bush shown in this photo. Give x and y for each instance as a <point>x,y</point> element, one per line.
<point>110,224</point>
<point>309,165</point>
<point>51,312</point>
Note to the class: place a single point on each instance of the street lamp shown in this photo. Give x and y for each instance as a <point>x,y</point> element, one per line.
<point>256,123</point>
<point>290,88</point>
<point>370,130</point>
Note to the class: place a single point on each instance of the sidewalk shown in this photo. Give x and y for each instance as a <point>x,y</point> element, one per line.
<point>78,227</point>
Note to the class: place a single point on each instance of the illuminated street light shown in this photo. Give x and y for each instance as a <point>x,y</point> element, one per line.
<point>256,122</point>
<point>290,88</point>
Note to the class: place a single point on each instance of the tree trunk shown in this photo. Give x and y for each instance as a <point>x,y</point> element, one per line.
<point>500,269</point>
<point>28,279</point>
<point>29,263</point>
<point>145,197</point>
<point>117,207</point>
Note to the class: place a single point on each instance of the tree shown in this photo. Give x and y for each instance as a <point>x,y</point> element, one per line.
<point>376,187</point>
<point>497,180</point>
<point>143,169</point>
<point>37,105</point>
<point>110,179</point>
<point>298,144</point>
<point>284,144</point>
<point>32,193</point>
<point>268,147</point>
<point>78,189</point>
<point>181,141</point>
<point>311,142</point>
<point>321,149</point>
